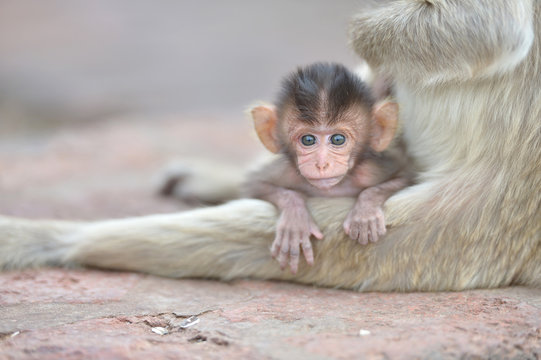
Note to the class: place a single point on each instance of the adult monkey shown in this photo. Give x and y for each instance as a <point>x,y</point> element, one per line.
<point>468,79</point>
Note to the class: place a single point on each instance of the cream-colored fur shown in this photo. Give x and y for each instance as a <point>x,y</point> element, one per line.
<point>468,80</point>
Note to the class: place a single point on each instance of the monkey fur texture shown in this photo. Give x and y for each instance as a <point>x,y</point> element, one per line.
<point>467,77</point>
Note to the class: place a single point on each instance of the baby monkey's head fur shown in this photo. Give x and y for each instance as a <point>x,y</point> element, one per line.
<point>323,93</point>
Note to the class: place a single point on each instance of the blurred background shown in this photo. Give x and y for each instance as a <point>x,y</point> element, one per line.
<point>96,96</point>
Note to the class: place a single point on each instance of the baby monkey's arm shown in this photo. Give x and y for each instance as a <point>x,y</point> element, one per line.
<point>294,228</point>
<point>295,224</point>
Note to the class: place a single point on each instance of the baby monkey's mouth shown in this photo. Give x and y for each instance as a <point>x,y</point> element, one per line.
<point>325,183</point>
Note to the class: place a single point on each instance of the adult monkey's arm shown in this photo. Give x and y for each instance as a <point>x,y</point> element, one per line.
<point>437,40</point>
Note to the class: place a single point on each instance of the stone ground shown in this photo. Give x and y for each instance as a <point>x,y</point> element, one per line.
<point>106,169</point>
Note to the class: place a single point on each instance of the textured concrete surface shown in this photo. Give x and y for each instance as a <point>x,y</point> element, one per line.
<point>92,172</point>
<point>90,314</point>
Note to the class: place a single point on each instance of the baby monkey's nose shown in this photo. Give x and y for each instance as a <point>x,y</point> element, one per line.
<point>322,166</point>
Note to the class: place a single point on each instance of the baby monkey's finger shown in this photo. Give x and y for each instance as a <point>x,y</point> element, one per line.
<point>307,250</point>
<point>294,252</point>
<point>373,230</point>
<point>284,251</point>
<point>276,244</point>
<point>314,230</point>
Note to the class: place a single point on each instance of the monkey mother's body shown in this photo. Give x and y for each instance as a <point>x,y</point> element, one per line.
<point>468,80</point>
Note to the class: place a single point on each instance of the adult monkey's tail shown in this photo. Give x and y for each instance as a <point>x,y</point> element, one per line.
<point>28,243</point>
<point>212,242</point>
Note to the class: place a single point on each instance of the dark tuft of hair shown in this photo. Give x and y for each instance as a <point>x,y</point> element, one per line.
<point>323,88</point>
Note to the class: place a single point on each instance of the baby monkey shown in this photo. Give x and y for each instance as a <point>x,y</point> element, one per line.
<point>331,136</point>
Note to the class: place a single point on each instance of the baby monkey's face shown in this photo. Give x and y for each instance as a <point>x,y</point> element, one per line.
<point>324,148</point>
<point>324,154</point>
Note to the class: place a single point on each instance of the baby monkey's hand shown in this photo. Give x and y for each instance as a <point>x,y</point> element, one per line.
<point>295,226</point>
<point>365,222</point>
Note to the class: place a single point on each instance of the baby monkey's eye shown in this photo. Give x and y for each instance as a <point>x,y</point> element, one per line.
<point>338,139</point>
<point>308,140</point>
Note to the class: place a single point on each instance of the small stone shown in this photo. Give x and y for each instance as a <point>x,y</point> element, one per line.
<point>160,330</point>
<point>191,321</point>
<point>364,332</point>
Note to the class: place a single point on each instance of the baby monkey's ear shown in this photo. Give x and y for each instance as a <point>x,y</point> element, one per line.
<point>265,121</point>
<point>385,122</point>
